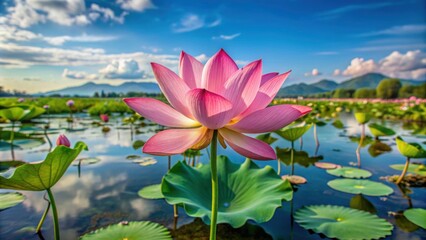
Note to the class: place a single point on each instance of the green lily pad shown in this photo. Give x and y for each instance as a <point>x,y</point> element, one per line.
<point>5,135</point>
<point>362,118</point>
<point>267,137</point>
<point>361,203</point>
<point>378,148</point>
<point>379,131</point>
<point>326,165</point>
<point>138,144</point>
<point>342,223</point>
<point>411,150</point>
<point>338,124</point>
<point>151,192</point>
<point>416,216</point>
<point>403,223</point>
<point>13,114</point>
<point>300,157</point>
<point>10,199</point>
<point>356,186</point>
<point>293,133</point>
<point>145,161</point>
<point>349,172</point>
<point>33,112</point>
<point>412,168</point>
<point>43,175</point>
<point>85,161</point>
<point>245,191</point>
<point>130,231</point>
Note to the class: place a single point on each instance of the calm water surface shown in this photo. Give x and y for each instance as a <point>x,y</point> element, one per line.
<point>106,192</point>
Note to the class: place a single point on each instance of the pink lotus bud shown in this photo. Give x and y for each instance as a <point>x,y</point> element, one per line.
<point>21,100</point>
<point>46,106</point>
<point>63,140</point>
<point>412,98</point>
<point>104,117</point>
<point>70,103</point>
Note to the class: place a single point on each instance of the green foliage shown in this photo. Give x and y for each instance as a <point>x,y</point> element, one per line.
<point>361,203</point>
<point>410,150</point>
<point>362,117</point>
<point>407,91</point>
<point>130,231</point>
<point>300,157</point>
<point>342,223</point>
<point>10,199</point>
<point>245,191</point>
<point>365,93</point>
<point>151,192</point>
<point>378,130</point>
<point>356,186</point>
<point>388,88</point>
<point>349,172</point>
<point>292,133</point>
<point>43,175</point>
<point>343,93</point>
<point>416,216</point>
<point>419,169</point>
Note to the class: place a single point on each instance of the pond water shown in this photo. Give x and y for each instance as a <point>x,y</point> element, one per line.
<point>106,192</point>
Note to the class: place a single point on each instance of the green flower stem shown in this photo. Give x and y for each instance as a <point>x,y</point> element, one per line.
<point>215,187</point>
<point>55,215</point>
<point>12,136</point>
<point>361,140</point>
<point>43,218</point>
<point>292,158</point>
<point>279,166</point>
<point>404,171</point>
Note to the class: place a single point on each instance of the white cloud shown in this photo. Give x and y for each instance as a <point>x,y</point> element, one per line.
<point>410,65</point>
<point>314,72</point>
<point>64,12</point>
<point>227,37</point>
<point>59,40</point>
<point>12,33</point>
<point>135,5</point>
<point>398,30</point>
<point>202,57</point>
<point>336,72</point>
<point>23,15</point>
<point>152,49</point>
<point>107,13</point>
<point>122,69</point>
<point>191,22</point>
<point>78,75</point>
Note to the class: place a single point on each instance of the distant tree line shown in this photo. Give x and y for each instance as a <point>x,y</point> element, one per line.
<point>12,93</point>
<point>129,94</point>
<point>389,88</point>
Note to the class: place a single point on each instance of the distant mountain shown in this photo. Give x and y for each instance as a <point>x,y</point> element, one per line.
<point>90,88</point>
<point>369,80</point>
<point>326,84</point>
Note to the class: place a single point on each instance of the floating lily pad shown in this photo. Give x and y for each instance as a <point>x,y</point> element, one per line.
<point>145,161</point>
<point>10,199</point>
<point>327,165</point>
<point>151,192</point>
<point>293,179</point>
<point>130,231</point>
<point>138,144</point>
<point>356,186</point>
<point>85,161</point>
<point>361,203</point>
<point>412,168</point>
<point>43,175</point>
<point>300,157</point>
<point>338,124</point>
<point>349,172</point>
<point>267,137</point>
<point>293,133</point>
<point>362,118</point>
<point>342,223</point>
<point>403,223</point>
<point>378,130</point>
<point>133,157</point>
<point>245,191</point>
<point>29,143</point>
<point>377,148</point>
<point>411,150</point>
<point>416,216</point>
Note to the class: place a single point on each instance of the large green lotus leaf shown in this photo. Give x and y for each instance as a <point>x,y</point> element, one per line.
<point>342,223</point>
<point>349,172</point>
<point>403,223</point>
<point>377,148</point>
<point>356,186</point>
<point>338,124</point>
<point>293,133</point>
<point>267,137</point>
<point>143,230</point>
<point>245,191</point>
<point>362,118</point>
<point>33,112</point>
<point>419,169</point>
<point>416,216</point>
<point>43,175</point>
<point>378,130</point>
<point>13,114</point>
<point>300,157</point>
<point>10,199</point>
<point>361,203</point>
<point>411,150</point>
<point>151,192</point>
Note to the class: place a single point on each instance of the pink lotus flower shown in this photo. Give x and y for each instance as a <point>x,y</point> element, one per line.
<point>63,140</point>
<point>70,103</point>
<point>46,106</point>
<point>218,96</point>
<point>104,117</point>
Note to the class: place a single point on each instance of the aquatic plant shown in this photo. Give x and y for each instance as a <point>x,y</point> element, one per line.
<point>42,176</point>
<point>408,150</point>
<point>215,102</point>
<point>380,131</point>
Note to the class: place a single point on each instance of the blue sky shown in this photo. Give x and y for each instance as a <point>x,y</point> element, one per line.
<point>50,44</point>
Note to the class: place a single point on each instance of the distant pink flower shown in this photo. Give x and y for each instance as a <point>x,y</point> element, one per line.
<point>46,106</point>
<point>104,117</point>
<point>70,103</point>
<point>412,98</point>
<point>63,140</point>
<point>218,96</point>
<point>20,100</point>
